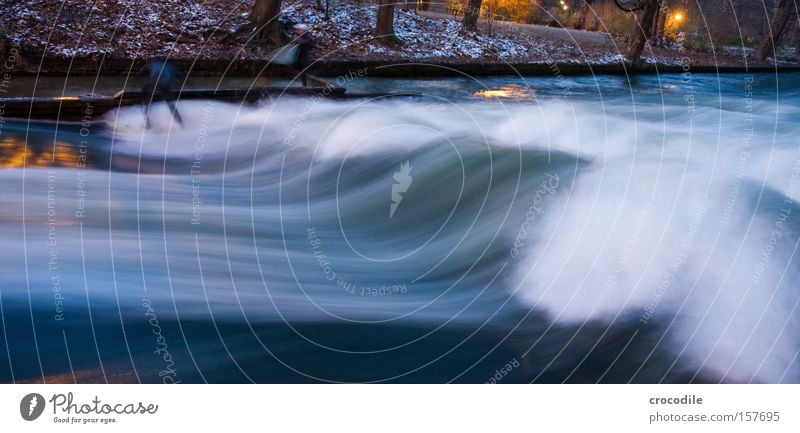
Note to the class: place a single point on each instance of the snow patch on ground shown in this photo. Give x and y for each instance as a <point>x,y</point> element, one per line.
<point>127,28</point>
<point>349,31</point>
<point>195,30</point>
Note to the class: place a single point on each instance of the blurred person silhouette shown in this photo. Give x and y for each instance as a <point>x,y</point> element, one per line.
<point>305,45</point>
<point>160,78</point>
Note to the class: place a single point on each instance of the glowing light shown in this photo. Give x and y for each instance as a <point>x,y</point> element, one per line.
<point>509,91</point>
<point>562,2</point>
<point>678,16</point>
<point>566,7</point>
<point>67,98</point>
<point>498,93</point>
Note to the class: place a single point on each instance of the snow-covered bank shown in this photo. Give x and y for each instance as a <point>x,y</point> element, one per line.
<point>131,29</point>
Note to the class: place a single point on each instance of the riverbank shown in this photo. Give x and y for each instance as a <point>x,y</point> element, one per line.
<point>115,38</point>
<point>383,68</point>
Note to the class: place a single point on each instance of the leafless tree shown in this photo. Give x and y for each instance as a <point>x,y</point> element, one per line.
<point>471,14</point>
<point>780,23</point>
<point>384,28</point>
<point>264,18</point>
<point>645,15</point>
<point>263,22</point>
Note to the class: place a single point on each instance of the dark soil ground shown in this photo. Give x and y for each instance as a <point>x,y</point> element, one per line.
<point>79,36</point>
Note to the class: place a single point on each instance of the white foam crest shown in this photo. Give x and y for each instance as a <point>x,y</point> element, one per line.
<point>659,241</point>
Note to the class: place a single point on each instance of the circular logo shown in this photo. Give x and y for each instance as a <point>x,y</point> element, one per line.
<point>31,406</point>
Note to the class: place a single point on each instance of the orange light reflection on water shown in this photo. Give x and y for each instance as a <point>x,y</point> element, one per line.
<point>15,154</point>
<point>508,91</point>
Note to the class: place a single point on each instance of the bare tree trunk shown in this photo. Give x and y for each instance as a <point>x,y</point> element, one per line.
<point>651,31</point>
<point>470,21</point>
<point>661,24</point>
<point>5,47</point>
<point>641,28</point>
<point>797,42</point>
<point>592,23</point>
<point>265,20</point>
<point>384,29</point>
<point>13,59</point>
<point>780,22</point>
<point>578,18</point>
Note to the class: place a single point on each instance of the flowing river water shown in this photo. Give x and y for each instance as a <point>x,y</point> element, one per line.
<point>501,229</point>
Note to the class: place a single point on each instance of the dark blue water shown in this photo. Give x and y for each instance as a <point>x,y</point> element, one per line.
<point>508,229</point>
